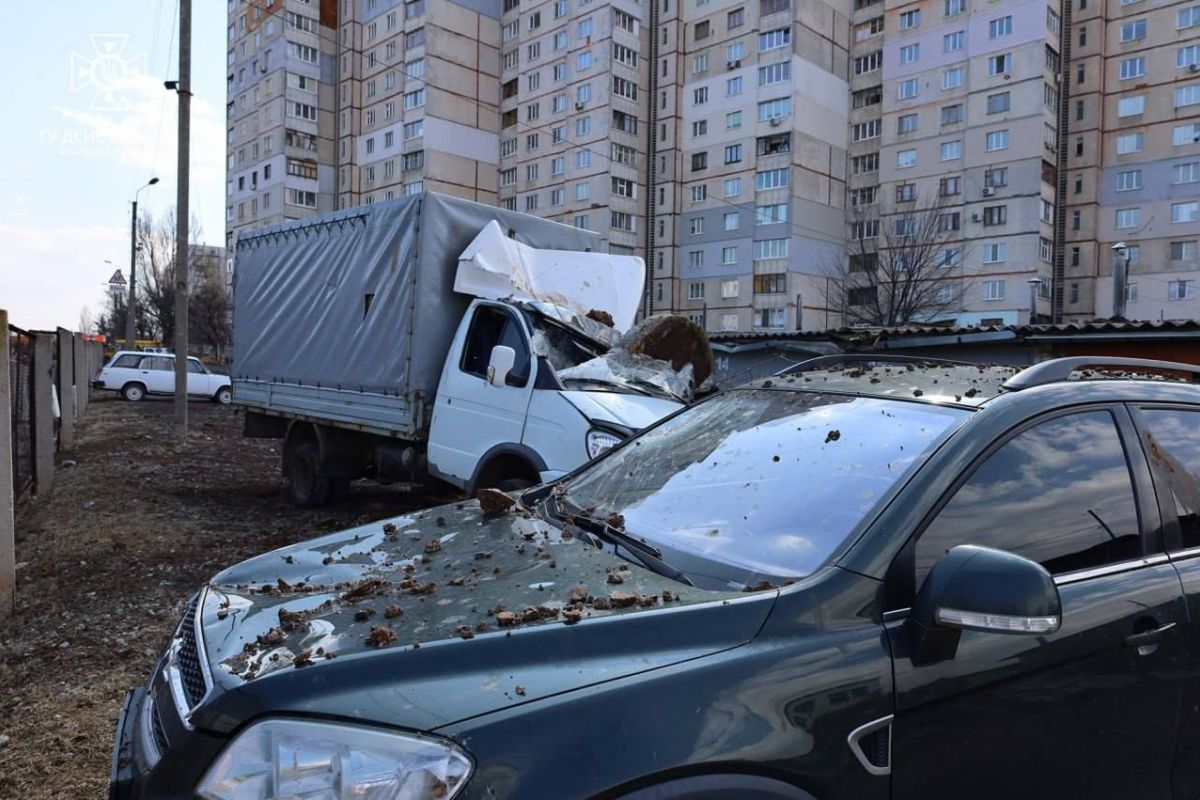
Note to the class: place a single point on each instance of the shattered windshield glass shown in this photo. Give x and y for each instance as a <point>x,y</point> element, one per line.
<point>562,347</point>
<point>768,481</point>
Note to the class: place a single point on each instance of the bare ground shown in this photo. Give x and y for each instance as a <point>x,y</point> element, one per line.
<point>107,561</point>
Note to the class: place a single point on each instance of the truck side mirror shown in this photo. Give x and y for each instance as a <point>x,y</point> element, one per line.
<point>501,363</point>
<point>981,589</point>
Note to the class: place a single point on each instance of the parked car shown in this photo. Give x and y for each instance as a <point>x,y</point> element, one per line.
<point>850,581</point>
<point>136,374</point>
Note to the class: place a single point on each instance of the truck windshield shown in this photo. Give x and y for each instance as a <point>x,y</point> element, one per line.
<point>766,481</point>
<point>563,347</point>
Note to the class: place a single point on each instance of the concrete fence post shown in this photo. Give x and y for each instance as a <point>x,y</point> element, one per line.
<point>8,539</point>
<point>81,386</point>
<point>66,389</point>
<point>43,412</point>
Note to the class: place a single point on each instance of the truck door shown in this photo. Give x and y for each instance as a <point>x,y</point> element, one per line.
<point>470,415</point>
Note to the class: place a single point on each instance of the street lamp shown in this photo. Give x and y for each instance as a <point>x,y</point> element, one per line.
<point>131,302</point>
<point>1120,269</point>
<point>1034,285</point>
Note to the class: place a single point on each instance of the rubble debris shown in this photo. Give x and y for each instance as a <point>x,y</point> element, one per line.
<point>381,636</point>
<point>494,501</point>
<point>833,436</point>
<point>433,546</point>
<point>393,611</point>
<point>761,586</point>
<point>601,316</point>
<point>466,632</point>
<point>302,659</point>
<point>363,589</point>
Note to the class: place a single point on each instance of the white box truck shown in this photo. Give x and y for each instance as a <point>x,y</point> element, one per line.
<point>430,336</point>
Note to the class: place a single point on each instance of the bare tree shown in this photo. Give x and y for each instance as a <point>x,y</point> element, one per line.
<point>903,267</point>
<point>87,323</point>
<point>156,265</point>
<point>208,307</point>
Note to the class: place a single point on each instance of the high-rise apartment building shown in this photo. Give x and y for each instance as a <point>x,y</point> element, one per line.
<point>1132,157</point>
<point>279,111</point>
<point>761,180</point>
<point>753,151</point>
<point>417,99</point>
<point>573,114</point>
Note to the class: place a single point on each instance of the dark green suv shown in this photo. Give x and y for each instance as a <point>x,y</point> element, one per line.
<point>862,579</point>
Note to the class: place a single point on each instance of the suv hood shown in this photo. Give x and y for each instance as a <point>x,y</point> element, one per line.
<point>633,411</point>
<point>428,619</point>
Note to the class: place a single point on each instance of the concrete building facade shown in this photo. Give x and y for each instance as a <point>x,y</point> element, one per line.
<point>279,111</point>
<point>1133,156</point>
<point>745,148</point>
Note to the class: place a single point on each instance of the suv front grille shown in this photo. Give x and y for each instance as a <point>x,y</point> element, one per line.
<point>191,674</point>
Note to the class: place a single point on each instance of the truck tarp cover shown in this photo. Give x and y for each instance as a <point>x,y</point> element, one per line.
<point>499,268</point>
<point>347,316</point>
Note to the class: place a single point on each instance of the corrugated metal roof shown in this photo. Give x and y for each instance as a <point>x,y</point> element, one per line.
<point>1032,332</point>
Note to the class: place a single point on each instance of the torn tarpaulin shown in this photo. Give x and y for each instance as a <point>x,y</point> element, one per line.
<point>496,267</point>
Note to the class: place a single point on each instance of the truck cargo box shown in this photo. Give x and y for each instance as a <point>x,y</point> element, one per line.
<point>345,318</point>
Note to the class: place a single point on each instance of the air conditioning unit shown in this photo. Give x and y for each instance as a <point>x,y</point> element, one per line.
<point>1193,67</point>
<point>1007,76</point>
<point>579,106</point>
<point>776,122</point>
<point>988,191</point>
<point>733,64</point>
<point>975,217</point>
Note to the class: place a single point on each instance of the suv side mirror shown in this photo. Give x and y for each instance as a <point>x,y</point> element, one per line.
<point>982,589</point>
<point>501,363</point>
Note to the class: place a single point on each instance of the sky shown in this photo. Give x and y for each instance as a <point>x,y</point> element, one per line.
<point>87,123</point>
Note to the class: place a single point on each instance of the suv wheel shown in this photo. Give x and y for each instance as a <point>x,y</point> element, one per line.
<point>224,396</point>
<point>306,488</point>
<point>133,392</point>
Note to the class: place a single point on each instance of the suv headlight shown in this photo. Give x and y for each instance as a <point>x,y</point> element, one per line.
<point>277,759</point>
<point>600,440</point>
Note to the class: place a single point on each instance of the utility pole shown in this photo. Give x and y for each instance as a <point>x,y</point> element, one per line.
<point>182,218</point>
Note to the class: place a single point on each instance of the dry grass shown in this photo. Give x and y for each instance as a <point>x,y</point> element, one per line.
<point>106,563</point>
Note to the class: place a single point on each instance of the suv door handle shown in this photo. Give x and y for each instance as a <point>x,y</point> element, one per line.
<point>1149,637</point>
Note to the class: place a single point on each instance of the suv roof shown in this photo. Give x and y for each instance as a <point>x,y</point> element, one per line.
<point>961,383</point>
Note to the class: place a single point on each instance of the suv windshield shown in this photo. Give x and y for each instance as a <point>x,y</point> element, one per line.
<point>766,481</point>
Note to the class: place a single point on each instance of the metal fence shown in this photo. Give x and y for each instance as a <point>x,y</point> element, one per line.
<point>21,366</point>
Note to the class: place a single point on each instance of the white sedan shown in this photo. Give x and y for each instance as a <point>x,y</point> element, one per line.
<point>136,374</point>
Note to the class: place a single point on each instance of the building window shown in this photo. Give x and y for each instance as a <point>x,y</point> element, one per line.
<point>910,19</point>
<point>1131,106</point>
<point>775,73</point>
<point>906,159</point>
<point>1187,95</point>
<point>1133,30</point>
<point>1000,64</point>
<point>952,115</point>
<point>1181,290</point>
<point>1184,251</point>
<point>765,249</point>
<point>999,27</point>
<point>1129,180</point>
<point>769,40</point>
<point>699,161</point>
<point>906,192</point>
<point>951,150</point>
<point>1185,212</point>
<point>699,193</point>
<point>952,78</point>
<point>729,257</point>
<point>908,88</point>
<point>994,253</point>
<point>998,103</point>
<point>733,153</point>
<point>1186,173</point>
<point>771,215</point>
<point>771,179</point>
<point>774,109</point>
<point>1133,68</point>
<point>950,186</point>
<point>1130,142</point>
<point>910,53</point>
<point>733,220</point>
<point>997,140</point>
<point>995,215</point>
<point>733,187</point>
<point>953,42</point>
<point>955,7</point>
<point>993,290</point>
<point>868,63</point>
<point>695,291</point>
<point>906,123</point>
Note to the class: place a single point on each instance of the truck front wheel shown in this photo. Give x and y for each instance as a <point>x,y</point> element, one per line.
<point>306,487</point>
